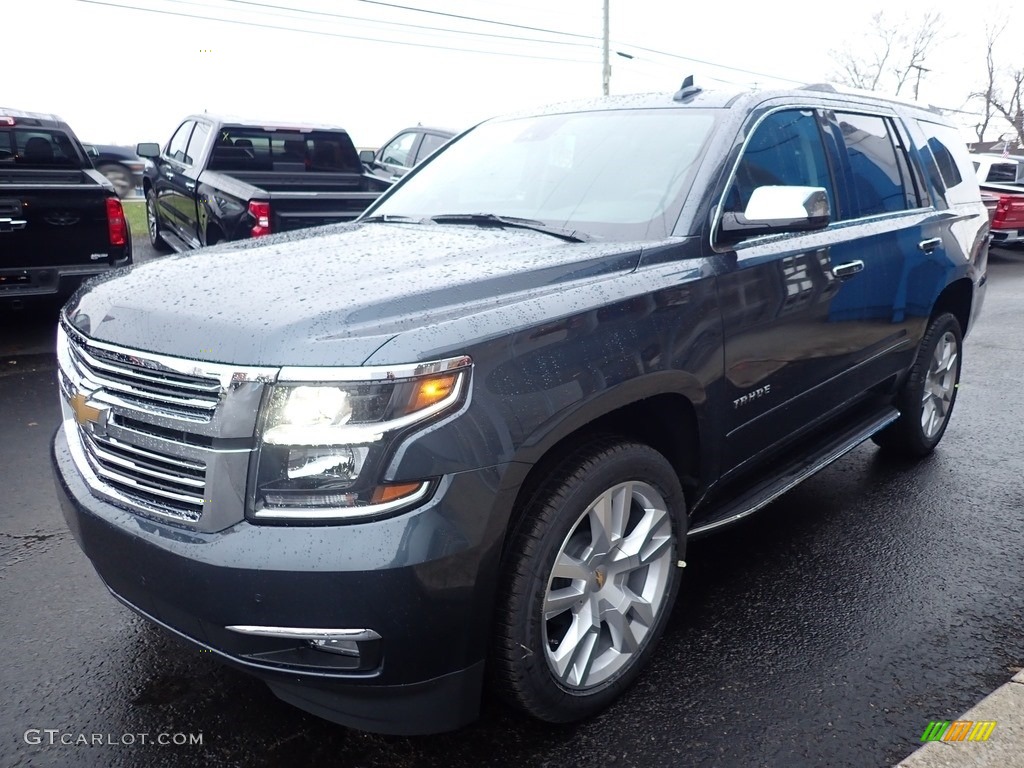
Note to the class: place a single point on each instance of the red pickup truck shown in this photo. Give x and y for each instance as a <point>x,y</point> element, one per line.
<point>1002,188</point>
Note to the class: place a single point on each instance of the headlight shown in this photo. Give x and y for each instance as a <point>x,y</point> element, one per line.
<point>323,444</point>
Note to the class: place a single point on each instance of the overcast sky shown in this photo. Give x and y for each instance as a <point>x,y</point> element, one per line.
<point>122,75</point>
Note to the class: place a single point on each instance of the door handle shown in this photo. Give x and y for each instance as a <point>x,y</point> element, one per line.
<point>169,175</point>
<point>190,186</point>
<point>9,225</point>
<point>396,177</point>
<point>930,245</point>
<point>849,269</point>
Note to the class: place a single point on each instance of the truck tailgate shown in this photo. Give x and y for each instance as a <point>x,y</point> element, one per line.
<point>298,210</point>
<point>60,220</point>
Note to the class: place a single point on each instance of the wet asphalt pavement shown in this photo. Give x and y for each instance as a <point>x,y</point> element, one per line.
<point>827,631</point>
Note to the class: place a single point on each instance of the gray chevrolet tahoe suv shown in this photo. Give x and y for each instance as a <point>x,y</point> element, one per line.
<point>461,443</point>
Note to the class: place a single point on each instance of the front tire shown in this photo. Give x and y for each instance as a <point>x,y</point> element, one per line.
<point>592,575</point>
<point>927,397</point>
<point>153,224</point>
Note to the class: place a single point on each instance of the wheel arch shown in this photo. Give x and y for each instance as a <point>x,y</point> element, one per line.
<point>666,420</point>
<point>956,298</point>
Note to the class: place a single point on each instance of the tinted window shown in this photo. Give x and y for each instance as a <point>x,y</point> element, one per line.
<point>616,174</point>
<point>197,142</point>
<point>1001,172</point>
<point>398,151</point>
<point>785,150</point>
<point>879,184</point>
<point>430,144</point>
<point>179,141</point>
<point>949,150</point>
<point>244,148</point>
<point>41,148</point>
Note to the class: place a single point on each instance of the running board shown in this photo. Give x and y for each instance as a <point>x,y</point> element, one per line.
<point>796,472</point>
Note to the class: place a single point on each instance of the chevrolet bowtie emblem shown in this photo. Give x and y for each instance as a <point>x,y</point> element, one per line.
<point>86,414</point>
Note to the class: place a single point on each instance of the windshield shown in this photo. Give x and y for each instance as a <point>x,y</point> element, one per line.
<point>617,175</point>
<point>39,148</point>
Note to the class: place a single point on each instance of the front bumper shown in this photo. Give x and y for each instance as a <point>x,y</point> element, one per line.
<point>423,581</point>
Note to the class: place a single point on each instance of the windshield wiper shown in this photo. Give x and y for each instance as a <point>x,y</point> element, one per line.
<point>493,219</point>
<point>393,218</point>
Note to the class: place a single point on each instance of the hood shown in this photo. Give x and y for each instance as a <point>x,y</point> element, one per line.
<point>331,298</point>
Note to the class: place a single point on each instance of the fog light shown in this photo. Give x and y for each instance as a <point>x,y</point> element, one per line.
<point>341,647</point>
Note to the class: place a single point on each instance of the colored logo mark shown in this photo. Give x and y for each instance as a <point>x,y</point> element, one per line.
<point>958,730</point>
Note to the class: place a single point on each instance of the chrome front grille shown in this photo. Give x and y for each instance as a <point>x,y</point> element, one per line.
<point>160,436</point>
<point>127,378</point>
<point>155,480</point>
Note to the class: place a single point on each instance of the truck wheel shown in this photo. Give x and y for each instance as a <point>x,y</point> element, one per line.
<point>927,397</point>
<point>592,575</point>
<point>153,223</point>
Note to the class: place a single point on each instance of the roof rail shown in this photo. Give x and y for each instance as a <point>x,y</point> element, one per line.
<point>850,91</point>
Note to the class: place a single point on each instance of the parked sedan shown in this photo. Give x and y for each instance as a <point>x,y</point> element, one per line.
<point>119,164</point>
<point>404,150</point>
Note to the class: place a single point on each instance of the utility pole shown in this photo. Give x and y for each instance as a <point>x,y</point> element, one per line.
<point>917,84</point>
<point>606,71</point>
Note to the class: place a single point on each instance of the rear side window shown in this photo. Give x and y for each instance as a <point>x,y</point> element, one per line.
<point>877,164</point>
<point>785,150</point>
<point>954,164</point>
<point>39,148</point>
<point>244,148</point>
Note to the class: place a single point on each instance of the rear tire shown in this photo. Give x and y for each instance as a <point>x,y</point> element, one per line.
<point>592,575</point>
<point>153,224</point>
<point>927,397</point>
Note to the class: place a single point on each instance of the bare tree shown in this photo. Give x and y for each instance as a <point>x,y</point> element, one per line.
<point>892,53</point>
<point>1003,92</point>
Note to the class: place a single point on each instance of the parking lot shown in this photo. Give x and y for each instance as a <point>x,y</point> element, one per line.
<point>828,630</point>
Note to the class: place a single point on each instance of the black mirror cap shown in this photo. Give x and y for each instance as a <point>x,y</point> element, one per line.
<point>366,156</point>
<point>148,149</point>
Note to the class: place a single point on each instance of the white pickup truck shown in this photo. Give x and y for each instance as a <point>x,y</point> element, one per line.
<point>1002,186</point>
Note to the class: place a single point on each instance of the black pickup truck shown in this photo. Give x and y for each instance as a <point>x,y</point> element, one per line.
<point>60,220</point>
<point>219,179</point>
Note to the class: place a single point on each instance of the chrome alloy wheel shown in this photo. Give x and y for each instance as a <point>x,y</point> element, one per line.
<point>608,585</point>
<point>939,385</point>
<point>151,218</point>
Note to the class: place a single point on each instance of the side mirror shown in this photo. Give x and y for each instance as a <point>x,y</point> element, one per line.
<point>148,149</point>
<point>776,210</point>
<point>91,151</point>
<point>366,156</point>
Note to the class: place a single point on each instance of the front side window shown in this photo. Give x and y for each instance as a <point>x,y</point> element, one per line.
<point>784,150</point>
<point>877,175</point>
<point>399,151</point>
<point>615,174</point>
<point>179,142</point>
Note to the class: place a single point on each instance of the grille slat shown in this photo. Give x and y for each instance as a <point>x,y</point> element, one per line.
<point>166,479</point>
<point>184,505</point>
<point>189,396</point>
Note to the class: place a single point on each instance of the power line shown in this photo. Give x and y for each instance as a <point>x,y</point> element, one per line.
<point>328,34</point>
<point>480,20</point>
<point>585,37</point>
<point>328,14</point>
